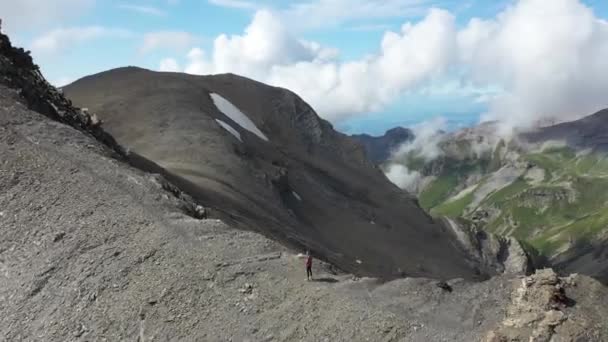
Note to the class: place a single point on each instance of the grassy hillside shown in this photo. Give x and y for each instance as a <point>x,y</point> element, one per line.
<point>549,198</point>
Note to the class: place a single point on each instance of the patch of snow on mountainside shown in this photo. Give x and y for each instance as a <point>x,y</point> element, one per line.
<point>230,129</point>
<point>236,115</point>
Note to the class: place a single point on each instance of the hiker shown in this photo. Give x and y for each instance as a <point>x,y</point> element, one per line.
<point>308,266</point>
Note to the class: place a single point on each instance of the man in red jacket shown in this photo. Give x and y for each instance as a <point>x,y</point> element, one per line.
<point>308,266</point>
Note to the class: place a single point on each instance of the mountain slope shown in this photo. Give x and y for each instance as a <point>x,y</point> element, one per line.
<point>588,132</point>
<point>275,167</point>
<point>547,187</point>
<point>379,149</point>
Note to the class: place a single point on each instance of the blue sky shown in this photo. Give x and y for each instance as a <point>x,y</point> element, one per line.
<point>331,52</point>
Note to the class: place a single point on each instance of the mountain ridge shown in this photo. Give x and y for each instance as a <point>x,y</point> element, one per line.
<point>545,187</point>
<point>380,148</point>
<point>269,185</point>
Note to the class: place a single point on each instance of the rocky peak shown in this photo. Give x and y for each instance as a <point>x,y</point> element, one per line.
<point>586,133</point>
<point>379,148</point>
<point>19,72</point>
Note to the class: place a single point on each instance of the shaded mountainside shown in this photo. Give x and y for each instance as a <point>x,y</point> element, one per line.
<point>379,149</point>
<point>547,188</point>
<point>587,133</point>
<point>261,158</point>
<point>94,249</point>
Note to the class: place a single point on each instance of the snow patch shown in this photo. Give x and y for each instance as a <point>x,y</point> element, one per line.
<point>295,194</point>
<point>236,115</point>
<point>230,129</point>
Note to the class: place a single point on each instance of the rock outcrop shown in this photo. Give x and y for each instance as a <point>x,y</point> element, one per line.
<point>494,254</point>
<point>18,71</point>
<point>541,311</point>
<point>380,148</point>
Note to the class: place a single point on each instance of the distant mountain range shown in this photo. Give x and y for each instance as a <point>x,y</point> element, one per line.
<point>379,148</point>
<point>547,187</point>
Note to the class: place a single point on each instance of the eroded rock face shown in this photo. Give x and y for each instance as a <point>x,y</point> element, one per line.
<point>517,260</point>
<point>18,71</point>
<point>540,311</point>
<point>19,74</point>
<point>493,254</point>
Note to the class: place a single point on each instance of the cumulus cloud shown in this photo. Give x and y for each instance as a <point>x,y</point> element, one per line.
<point>402,177</point>
<point>534,61</point>
<point>550,58</point>
<point>427,136</point>
<point>267,51</point>
<point>22,15</point>
<point>176,40</point>
<point>63,38</point>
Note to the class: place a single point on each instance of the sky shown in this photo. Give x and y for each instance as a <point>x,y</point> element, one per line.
<point>364,65</point>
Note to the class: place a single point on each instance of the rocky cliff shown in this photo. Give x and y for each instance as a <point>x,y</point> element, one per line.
<point>546,188</point>
<point>380,148</point>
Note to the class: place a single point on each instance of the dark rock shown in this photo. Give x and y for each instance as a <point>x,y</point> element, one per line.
<point>379,149</point>
<point>444,286</point>
<point>58,237</point>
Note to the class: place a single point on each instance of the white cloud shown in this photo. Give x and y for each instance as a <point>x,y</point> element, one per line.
<point>177,40</point>
<point>402,177</point>
<point>148,10</point>
<point>197,63</point>
<point>169,64</point>
<point>22,15</point>
<point>234,4</point>
<point>428,135</point>
<point>265,45</point>
<point>268,52</point>
<point>550,59</point>
<point>530,62</point>
<point>63,38</point>
<point>324,13</point>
